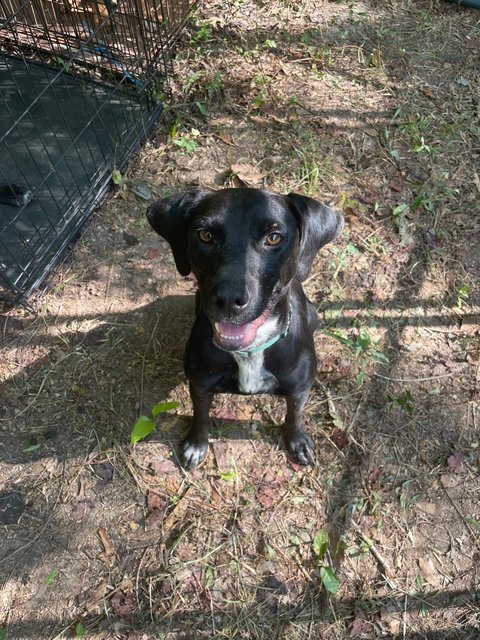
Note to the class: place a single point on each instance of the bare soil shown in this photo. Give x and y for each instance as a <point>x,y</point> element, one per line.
<point>374,107</point>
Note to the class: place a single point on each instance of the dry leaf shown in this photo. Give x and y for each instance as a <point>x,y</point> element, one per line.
<point>163,467</point>
<point>225,137</point>
<point>396,185</point>
<point>156,502</point>
<point>449,481</point>
<point>428,572</point>
<point>268,495</point>
<point>151,253</point>
<point>106,542</point>
<point>221,120</point>
<point>390,619</point>
<point>294,465</point>
<point>360,624</point>
<point>261,122</point>
<point>154,519</point>
<point>247,173</point>
<point>122,604</point>
<point>340,438</point>
<point>225,412</point>
<point>427,507</point>
<point>95,597</point>
<point>178,512</point>
<point>455,462</point>
<point>370,197</point>
<point>427,91</point>
<point>223,456</point>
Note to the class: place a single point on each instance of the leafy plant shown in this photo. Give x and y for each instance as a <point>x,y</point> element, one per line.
<point>363,345</point>
<point>472,522</point>
<point>29,449</point>
<point>314,168</point>
<point>364,349</point>
<point>79,630</point>
<point>203,32</point>
<point>145,425</point>
<point>404,498</point>
<point>187,140</point>
<point>261,82</point>
<point>229,475</point>
<point>117,177</point>
<point>66,66</point>
<point>50,577</point>
<point>269,44</point>
<point>421,146</point>
<point>215,84</point>
<point>328,576</point>
<point>341,256</point>
<point>462,294</point>
<point>404,401</point>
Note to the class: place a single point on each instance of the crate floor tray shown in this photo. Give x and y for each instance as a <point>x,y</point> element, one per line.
<point>61,136</point>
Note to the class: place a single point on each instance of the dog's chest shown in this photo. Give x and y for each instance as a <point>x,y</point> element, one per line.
<point>252,376</point>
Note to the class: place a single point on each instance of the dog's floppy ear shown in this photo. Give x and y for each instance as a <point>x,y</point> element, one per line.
<point>170,218</point>
<point>318,224</point>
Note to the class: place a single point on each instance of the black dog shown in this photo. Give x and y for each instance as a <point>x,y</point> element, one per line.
<point>249,250</point>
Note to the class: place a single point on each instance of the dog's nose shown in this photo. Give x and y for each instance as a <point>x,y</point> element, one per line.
<point>231,300</point>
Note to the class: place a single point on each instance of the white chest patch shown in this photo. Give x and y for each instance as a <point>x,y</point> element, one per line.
<point>252,375</point>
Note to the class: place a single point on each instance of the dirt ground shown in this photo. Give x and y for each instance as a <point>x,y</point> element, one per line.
<point>374,107</point>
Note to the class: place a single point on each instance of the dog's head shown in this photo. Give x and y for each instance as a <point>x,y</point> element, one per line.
<point>244,246</point>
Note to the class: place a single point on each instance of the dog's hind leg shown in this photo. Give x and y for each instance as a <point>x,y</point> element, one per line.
<point>299,444</point>
<point>195,445</point>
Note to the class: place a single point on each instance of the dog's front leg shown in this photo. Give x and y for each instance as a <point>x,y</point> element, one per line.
<point>299,444</point>
<point>195,445</point>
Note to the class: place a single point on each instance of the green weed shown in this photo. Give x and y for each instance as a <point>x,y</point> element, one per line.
<point>262,83</point>
<point>404,498</point>
<point>472,522</point>
<point>50,577</point>
<point>187,140</point>
<point>341,256</point>
<point>117,177</point>
<point>320,547</point>
<point>314,168</point>
<point>145,425</point>
<point>229,475</point>
<point>462,295</point>
<point>404,401</point>
<point>365,350</point>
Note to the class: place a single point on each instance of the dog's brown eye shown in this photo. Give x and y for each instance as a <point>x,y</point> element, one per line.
<point>274,238</point>
<point>205,236</point>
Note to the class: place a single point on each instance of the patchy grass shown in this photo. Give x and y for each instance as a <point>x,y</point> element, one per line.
<point>374,107</point>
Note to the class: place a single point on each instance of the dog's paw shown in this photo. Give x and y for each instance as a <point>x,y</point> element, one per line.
<point>301,448</point>
<point>194,451</point>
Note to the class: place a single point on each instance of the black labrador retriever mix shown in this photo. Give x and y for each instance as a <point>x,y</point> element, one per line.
<point>249,250</point>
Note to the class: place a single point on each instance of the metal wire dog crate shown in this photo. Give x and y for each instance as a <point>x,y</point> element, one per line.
<point>79,84</point>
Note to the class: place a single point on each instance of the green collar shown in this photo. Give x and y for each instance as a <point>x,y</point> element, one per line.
<point>261,347</point>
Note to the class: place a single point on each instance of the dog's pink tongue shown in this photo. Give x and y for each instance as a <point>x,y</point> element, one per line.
<point>235,336</point>
<point>231,330</point>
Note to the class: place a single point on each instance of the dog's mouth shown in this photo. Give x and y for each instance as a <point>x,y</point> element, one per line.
<point>231,336</point>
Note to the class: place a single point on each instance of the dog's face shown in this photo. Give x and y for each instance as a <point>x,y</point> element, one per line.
<point>244,246</point>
